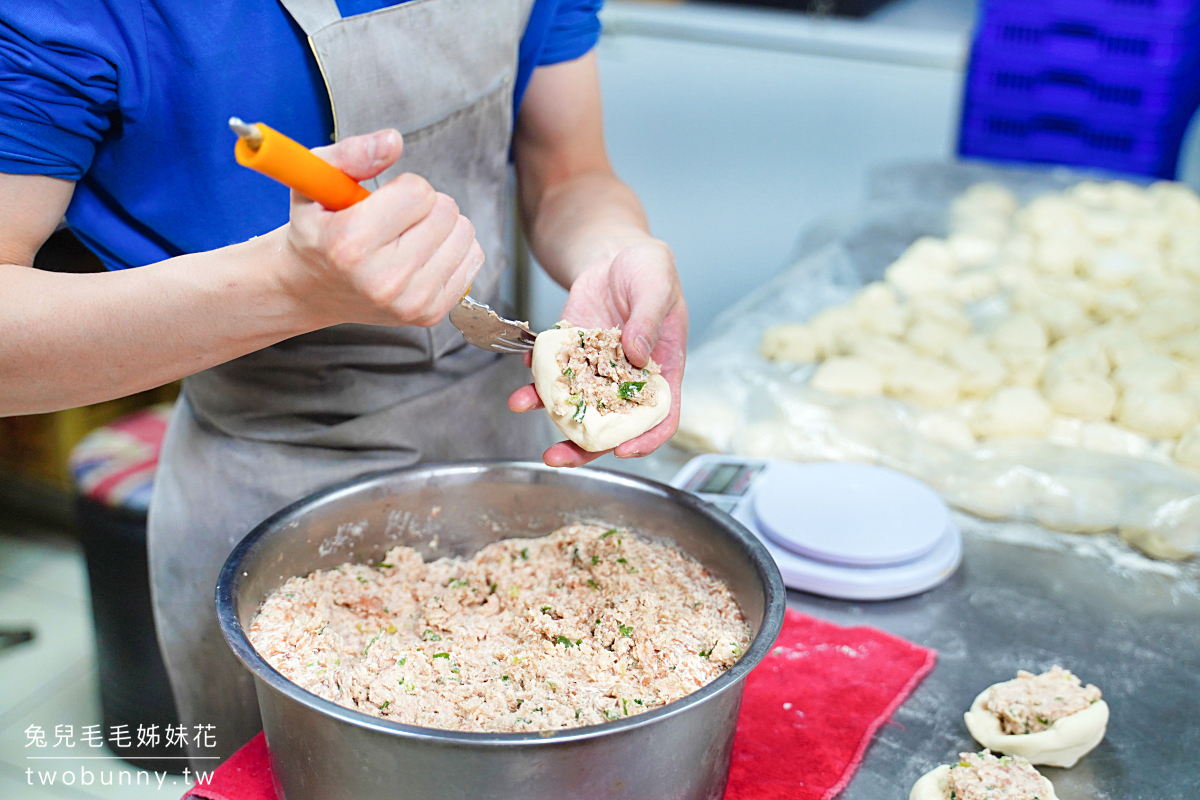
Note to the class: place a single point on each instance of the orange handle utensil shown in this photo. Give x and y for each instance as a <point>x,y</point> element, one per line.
<point>266,150</point>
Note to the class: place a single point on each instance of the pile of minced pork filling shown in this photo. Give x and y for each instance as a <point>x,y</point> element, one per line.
<point>598,374</point>
<point>584,626</point>
<point>982,776</point>
<point>1032,703</point>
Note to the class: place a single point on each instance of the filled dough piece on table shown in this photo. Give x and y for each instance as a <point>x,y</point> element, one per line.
<point>983,776</point>
<point>1048,719</point>
<point>591,391</point>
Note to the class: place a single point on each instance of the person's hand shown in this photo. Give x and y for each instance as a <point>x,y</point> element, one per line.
<point>403,256</point>
<point>640,293</point>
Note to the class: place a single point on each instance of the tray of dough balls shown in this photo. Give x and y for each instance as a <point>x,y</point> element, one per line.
<point>1025,341</point>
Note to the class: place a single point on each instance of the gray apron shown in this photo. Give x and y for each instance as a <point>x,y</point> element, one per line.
<point>253,435</point>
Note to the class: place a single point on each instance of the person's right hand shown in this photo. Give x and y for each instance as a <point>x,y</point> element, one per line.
<point>403,256</point>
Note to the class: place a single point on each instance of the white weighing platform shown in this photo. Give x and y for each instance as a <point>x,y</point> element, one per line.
<point>845,530</point>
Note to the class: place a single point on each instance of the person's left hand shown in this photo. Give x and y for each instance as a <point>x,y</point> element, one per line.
<point>639,292</point>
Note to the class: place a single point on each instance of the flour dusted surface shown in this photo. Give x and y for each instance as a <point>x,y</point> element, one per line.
<point>586,625</point>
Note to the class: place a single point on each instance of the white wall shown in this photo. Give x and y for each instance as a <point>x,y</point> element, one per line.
<point>736,147</point>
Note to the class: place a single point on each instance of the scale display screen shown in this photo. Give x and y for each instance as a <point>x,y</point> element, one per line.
<point>732,479</point>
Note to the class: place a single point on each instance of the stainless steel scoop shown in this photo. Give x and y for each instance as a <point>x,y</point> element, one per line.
<point>483,327</point>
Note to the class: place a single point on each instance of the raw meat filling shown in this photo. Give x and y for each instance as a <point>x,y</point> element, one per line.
<point>1031,703</point>
<point>598,375</point>
<point>982,776</point>
<point>583,626</point>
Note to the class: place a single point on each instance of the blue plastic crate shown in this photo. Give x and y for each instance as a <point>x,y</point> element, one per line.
<point>1036,34</point>
<point>1096,91</point>
<point>1003,132</point>
<point>1167,12</point>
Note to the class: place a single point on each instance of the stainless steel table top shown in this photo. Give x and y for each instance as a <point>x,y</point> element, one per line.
<point>1026,598</point>
<point>1029,598</point>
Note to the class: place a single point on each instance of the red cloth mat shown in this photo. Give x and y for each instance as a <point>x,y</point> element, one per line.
<point>809,712</point>
<point>813,704</point>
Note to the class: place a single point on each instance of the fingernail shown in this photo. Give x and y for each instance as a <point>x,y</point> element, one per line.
<point>380,146</point>
<point>632,454</point>
<point>643,345</point>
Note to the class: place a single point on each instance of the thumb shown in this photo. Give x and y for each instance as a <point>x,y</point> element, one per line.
<point>649,304</point>
<point>363,157</point>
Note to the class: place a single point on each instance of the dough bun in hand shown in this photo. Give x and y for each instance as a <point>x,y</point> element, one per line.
<point>936,784</point>
<point>1060,744</point>
<point>591,391</point>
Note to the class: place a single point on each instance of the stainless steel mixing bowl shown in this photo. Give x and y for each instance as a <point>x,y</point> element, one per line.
<point>322,751</point>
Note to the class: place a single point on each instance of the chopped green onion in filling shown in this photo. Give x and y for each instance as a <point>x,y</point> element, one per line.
<point>626,390</point>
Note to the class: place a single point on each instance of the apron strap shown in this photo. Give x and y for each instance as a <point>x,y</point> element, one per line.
<point>312,15</point>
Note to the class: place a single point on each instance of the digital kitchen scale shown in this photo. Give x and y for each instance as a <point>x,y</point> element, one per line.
<point>845,530</point>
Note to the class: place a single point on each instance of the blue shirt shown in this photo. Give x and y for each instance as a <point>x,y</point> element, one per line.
<point>130,98</point>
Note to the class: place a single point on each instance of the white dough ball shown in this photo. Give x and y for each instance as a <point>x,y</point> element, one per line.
<point>925,382</point>
<point>1017,249</point>
<point>1062,254</point>
<point>972,249</point>
<point>1112,268</point>
<point>1159,415</point>
<point>855,377</point>
<point>932,251</point>
<point>1079,290</point>
<point>1090,193</point>
<point>1128,348</point>
<point>917,278</point>
<point>1078,355</point>
<point>1013,411</point>
<point>942,310</point>
<point>1154,232</point>
<point>875,295</point>
<point>1107,226</point>
<point>1168,316</point>
<point>1087,397</point>
<point>793,343</point>
<point>830,325</point>
<point>1061,745</point>
<point>982,372</point>
<point>1117,304</point>
<point>883,352</point>
<point>1176,200</point>
<point>1188,450</point>
<point>931,338</point>
<point>1130,197</point>
<point>972,286</point>
<point>1105,437</point>
<point>947,429</point>
<point>1051,215</point>
<point>986,197</point>
<point>1150,372</point>
<point>1020,333</point>
<point>883,320</point>
<point>596,431</point>
<point>1025,367</point>
<point>1062,317</point>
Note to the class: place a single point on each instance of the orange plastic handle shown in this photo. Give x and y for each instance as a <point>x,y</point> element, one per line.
<point>295,166</point>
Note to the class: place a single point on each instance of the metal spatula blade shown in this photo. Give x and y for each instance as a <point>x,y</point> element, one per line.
<point>483,327</point>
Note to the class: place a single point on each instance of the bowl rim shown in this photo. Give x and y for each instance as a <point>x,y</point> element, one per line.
<point>229,582</point>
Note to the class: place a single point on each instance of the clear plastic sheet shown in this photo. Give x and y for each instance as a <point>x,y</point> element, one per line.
<point>736,401</point>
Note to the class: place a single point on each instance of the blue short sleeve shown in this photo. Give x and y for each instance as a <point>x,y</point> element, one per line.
<point>558,31</point>
<point>58,87</point>
<point>573,31</point>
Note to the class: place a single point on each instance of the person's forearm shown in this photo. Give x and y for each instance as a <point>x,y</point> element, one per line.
<point>584,220</point>
<point>69,340</point>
